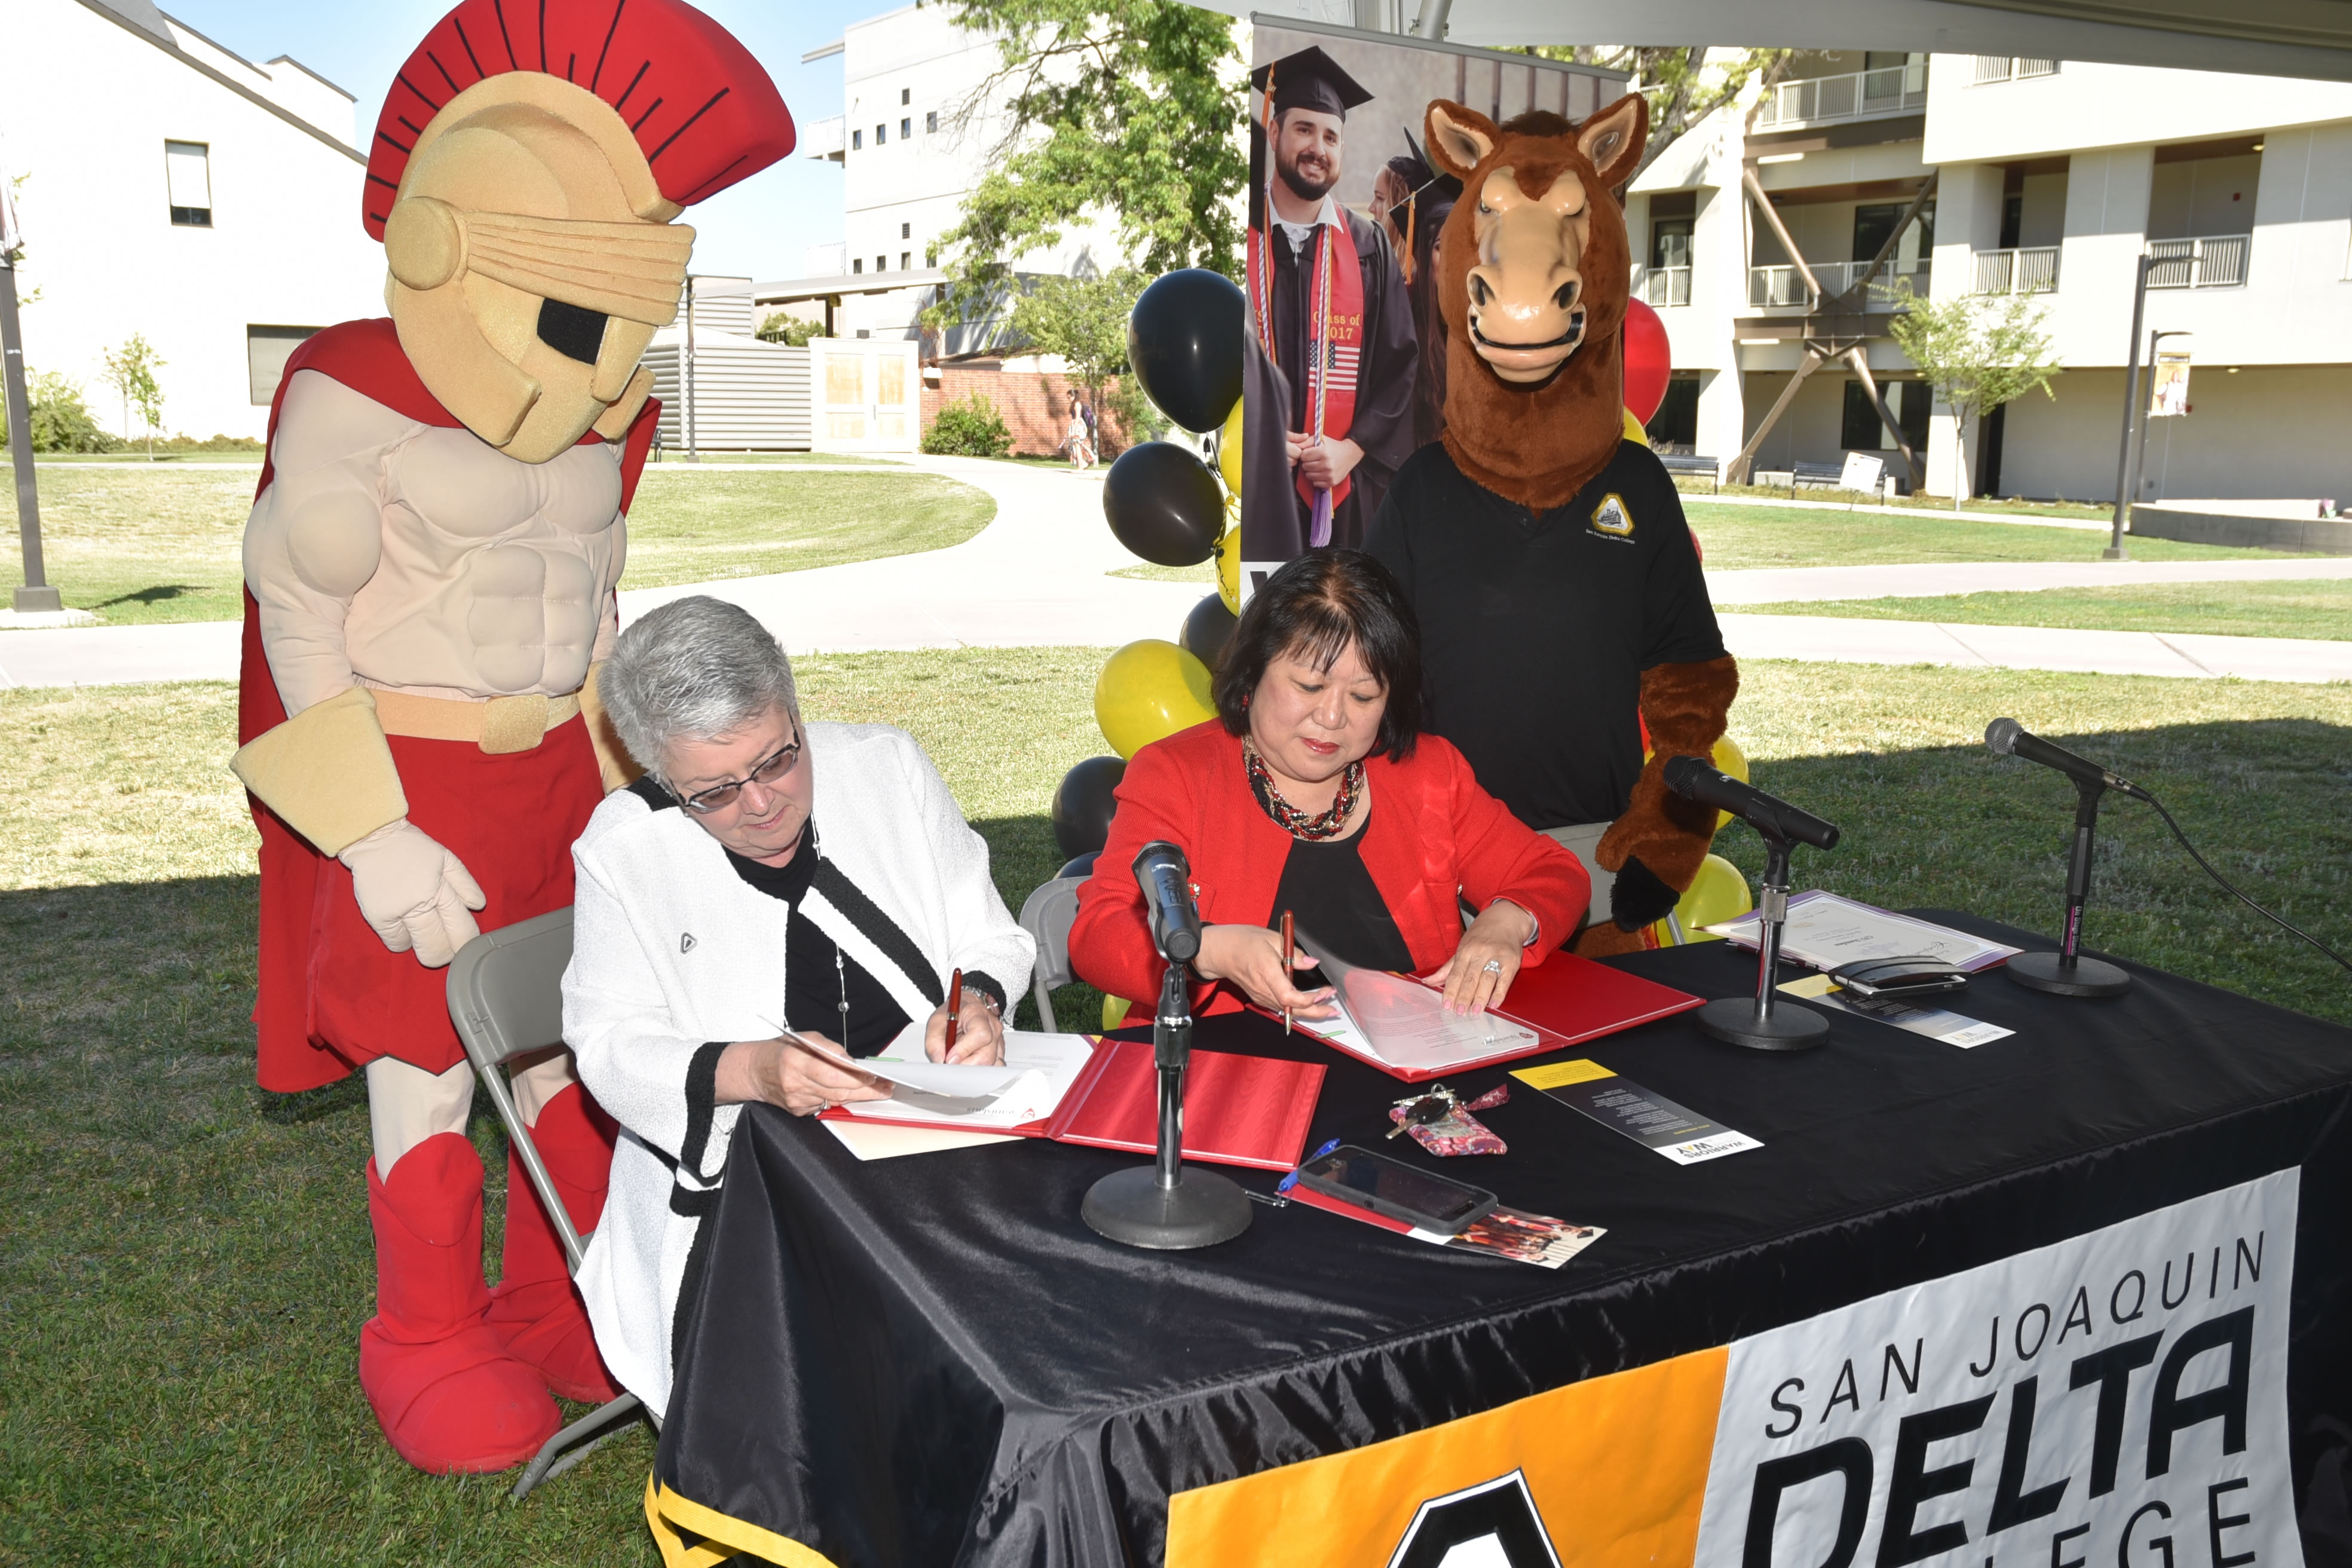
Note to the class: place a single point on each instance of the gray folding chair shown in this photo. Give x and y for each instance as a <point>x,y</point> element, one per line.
<point>506,998</point>
<point>1047,915</point>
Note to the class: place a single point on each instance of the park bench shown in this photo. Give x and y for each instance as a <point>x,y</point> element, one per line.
<point>1684,465</point>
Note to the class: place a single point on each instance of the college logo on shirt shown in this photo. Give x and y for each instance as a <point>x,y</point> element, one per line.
<point>1612,518</point>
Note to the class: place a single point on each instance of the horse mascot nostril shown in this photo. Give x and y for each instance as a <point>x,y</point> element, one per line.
<point>1562,609</point>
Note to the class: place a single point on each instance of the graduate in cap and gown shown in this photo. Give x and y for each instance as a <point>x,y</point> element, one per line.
<point>1332,312</point>
<point>1413,202</point>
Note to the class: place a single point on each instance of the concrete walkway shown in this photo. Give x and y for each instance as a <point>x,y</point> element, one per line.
<point>1038,576</point>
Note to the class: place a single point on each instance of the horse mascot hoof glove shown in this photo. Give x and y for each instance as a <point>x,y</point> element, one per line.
<point>430,572</point>
<point>1533,279</point>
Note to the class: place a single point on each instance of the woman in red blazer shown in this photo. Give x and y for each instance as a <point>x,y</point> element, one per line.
<point>1314,792</point>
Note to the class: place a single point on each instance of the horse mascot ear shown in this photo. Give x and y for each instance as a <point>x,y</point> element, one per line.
<point>1534,271</point>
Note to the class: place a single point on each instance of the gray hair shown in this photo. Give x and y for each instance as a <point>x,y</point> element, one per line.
<point>695,669</point>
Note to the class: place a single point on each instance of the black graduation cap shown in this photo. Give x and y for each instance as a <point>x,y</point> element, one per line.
<point>1311,79</point>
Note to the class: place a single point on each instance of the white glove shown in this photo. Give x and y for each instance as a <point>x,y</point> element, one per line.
<point>414,892</point>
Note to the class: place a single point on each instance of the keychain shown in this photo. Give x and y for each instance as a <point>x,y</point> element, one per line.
<point>1440,1122</point>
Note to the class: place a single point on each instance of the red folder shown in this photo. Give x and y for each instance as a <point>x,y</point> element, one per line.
<point>1567,1000</point>
<point>1238,1111</point>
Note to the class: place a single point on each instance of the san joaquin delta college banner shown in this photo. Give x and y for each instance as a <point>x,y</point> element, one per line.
<point>2118,1399</point>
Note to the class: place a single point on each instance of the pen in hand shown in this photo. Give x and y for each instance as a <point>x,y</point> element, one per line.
<point>955,1011</point>
<point>1289,954</point>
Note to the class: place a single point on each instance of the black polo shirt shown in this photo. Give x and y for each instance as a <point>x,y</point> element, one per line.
<point>1536,627</point>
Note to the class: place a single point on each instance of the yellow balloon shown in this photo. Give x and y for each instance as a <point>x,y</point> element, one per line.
<point>1634,430</point>
<point>1115,1012</point>
<point>1229,569</point>
<point>1717,894</point>
<point>1148,691</point>
<point>1229,451</point>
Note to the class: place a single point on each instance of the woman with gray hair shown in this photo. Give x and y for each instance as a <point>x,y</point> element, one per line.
<point>764,872</point>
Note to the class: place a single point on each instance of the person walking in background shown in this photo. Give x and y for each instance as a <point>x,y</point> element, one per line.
<point>1080,438</point>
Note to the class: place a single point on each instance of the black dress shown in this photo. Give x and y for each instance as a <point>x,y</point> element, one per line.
<point>1334,903</point>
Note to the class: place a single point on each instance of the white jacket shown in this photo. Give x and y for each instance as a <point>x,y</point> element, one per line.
<point>675,956</point>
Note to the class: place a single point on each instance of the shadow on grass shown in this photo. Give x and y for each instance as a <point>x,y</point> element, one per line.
<point>2268,802</point>
<point>159,593</point>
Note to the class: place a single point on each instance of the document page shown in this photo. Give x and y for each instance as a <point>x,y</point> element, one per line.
<point>1398,1020</point>
<point>1827,931</point>
<point>1037,1072</point>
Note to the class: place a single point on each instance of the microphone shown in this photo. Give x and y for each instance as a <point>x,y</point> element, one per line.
<point>1774,818</point>
<point>1166,878</point>
<point>2007,738</point>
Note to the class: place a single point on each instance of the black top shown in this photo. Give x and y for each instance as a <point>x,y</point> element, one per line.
<point>1536,627</point>
<point>813,990</point>
<point>1332,898</point>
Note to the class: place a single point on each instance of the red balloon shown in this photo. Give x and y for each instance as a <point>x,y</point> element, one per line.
<point>1648,360</point>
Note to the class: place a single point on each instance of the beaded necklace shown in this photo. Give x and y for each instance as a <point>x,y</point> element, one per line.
<point>1290,818</point>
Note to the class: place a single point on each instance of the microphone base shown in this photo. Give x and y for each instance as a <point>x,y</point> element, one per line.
<point>1132,1208</point>
<point>2083,977</point>
<point>1735,1021</point>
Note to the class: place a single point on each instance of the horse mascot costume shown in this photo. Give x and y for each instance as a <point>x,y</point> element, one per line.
<point>430,568</point>
<point>1563,611</point>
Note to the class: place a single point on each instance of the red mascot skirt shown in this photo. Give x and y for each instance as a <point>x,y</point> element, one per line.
<point>333,997</point>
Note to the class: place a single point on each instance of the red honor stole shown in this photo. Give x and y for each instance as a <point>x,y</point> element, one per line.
<point>1334,337</point>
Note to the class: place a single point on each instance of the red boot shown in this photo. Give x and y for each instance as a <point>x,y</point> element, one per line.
<point>536,1310</point>
<point>447,1394</point>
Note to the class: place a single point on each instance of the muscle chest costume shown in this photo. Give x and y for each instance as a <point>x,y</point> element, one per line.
<point>430,569</point>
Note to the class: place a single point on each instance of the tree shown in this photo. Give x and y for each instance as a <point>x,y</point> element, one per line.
<point>1977,351</point>
<point>1084,320</point>
<point>1130,107</point>
<point>60,421</point>
<point>790,331</point>
<point>130,370</point>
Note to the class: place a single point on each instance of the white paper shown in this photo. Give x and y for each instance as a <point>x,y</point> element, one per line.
<point>1714,1146</point>
<point>1827,932</point>
<point>889,1141</point>
<point>1037,1072</point>
<point>1397,1020</point>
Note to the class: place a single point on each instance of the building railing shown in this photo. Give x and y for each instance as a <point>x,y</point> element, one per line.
<point>1783,287</point>
<point>1859,95</point>
<point>1663,285</point>
<point>2007,67</point>
<point>2030,269</point>
<point>2207,261</point>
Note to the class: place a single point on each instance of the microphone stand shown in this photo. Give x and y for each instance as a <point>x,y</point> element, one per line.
<point>1161,1206</point>
<point>1763,1026</point>
<point>2067,972</point>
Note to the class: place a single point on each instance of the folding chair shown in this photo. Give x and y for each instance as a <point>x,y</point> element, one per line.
<point>506,998</point>
<point>1047,915</point>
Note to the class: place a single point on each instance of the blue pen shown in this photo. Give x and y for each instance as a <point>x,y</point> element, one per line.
<point>1291,1180</point>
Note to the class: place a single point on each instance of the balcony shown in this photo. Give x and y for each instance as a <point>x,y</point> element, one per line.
<point>1992,69</point>
<point>1783,287</point>
<point>2207,261</point>
<point>2030,271</point>
<point>1861,95</point>
<point>1663,285</point>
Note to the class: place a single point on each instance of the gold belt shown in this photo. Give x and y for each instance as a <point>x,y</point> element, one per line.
<point>499,725</point>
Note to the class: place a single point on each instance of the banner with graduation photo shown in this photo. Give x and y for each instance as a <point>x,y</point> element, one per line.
<point>2118,1399</point>
<point>1346,361</point>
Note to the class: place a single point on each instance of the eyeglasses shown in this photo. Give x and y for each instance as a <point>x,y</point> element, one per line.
<point>769,770</point>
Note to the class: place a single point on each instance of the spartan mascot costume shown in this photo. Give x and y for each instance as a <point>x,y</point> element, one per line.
<point>1562,609</point>
<point>430,568</point>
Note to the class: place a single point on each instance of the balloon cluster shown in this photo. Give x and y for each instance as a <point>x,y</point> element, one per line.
<point>1184,339</point>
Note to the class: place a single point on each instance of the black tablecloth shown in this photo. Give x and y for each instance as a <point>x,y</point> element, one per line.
<point>932,1360</point>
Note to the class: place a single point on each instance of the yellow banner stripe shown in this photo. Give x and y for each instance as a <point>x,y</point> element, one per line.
<point>723,1535</point>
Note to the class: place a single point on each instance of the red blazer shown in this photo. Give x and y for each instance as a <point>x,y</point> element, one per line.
<point>1434,837</point>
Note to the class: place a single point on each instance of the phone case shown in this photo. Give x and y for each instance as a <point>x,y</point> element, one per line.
<point>1486,1201</point>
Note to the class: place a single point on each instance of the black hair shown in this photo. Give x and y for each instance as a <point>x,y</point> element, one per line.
<point>1314,609</point>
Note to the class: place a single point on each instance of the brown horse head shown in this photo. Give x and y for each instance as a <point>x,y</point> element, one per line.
<point>1533,273</point>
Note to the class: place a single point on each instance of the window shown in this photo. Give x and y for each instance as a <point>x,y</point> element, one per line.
<point>906,231</point>
<point>906,129</point>
<point>858,264</point>
<point>905,257</point>
<point>857,140</point>
<point>881,264</point>
<point>881,134</point>
<point>1675,426</point>
<point>188,183</point>
<point>932,122</point>
<point>267,350</point>
<point>1861,429</point>
<point>906,95</point>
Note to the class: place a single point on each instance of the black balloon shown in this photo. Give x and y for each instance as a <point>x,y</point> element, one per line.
<point>1207,629</point>
<point>1164,503</point>
<point>1083,805</point>
<point>1184,339</point>
<point>1079,867</point>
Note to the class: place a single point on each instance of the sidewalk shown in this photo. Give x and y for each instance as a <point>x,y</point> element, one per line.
<point>1838,640</point>
<point>1804,584</point>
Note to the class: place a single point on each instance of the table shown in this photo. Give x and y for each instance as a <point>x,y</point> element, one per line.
<point>931,1360</point>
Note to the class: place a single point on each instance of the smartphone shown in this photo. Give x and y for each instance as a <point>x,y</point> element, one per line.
<point>1898,977</point>
<point>1392,1187</point>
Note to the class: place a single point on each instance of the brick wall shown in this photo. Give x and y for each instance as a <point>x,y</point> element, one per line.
<point>1034,407</point>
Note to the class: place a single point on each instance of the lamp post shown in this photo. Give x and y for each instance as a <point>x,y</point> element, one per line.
<point>37,595</point>
<point>686,371</point>
<point>2116,549</point>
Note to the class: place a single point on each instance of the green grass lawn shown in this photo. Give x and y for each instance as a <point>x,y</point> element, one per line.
<point>140,545</point>
<point>2315,609</point>
<point>184,1261</point>
<point>1146,572</point>
<point>829,459</point>
<point>2014,507</point>
<point>1737,537</point>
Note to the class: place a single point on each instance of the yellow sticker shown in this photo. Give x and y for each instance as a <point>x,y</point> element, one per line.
<point>1611,516</point>
<point>1809,986</point>
<point>1559,1073</point>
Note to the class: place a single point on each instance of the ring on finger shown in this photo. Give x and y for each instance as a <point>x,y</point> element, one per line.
<point>1491,966</point>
